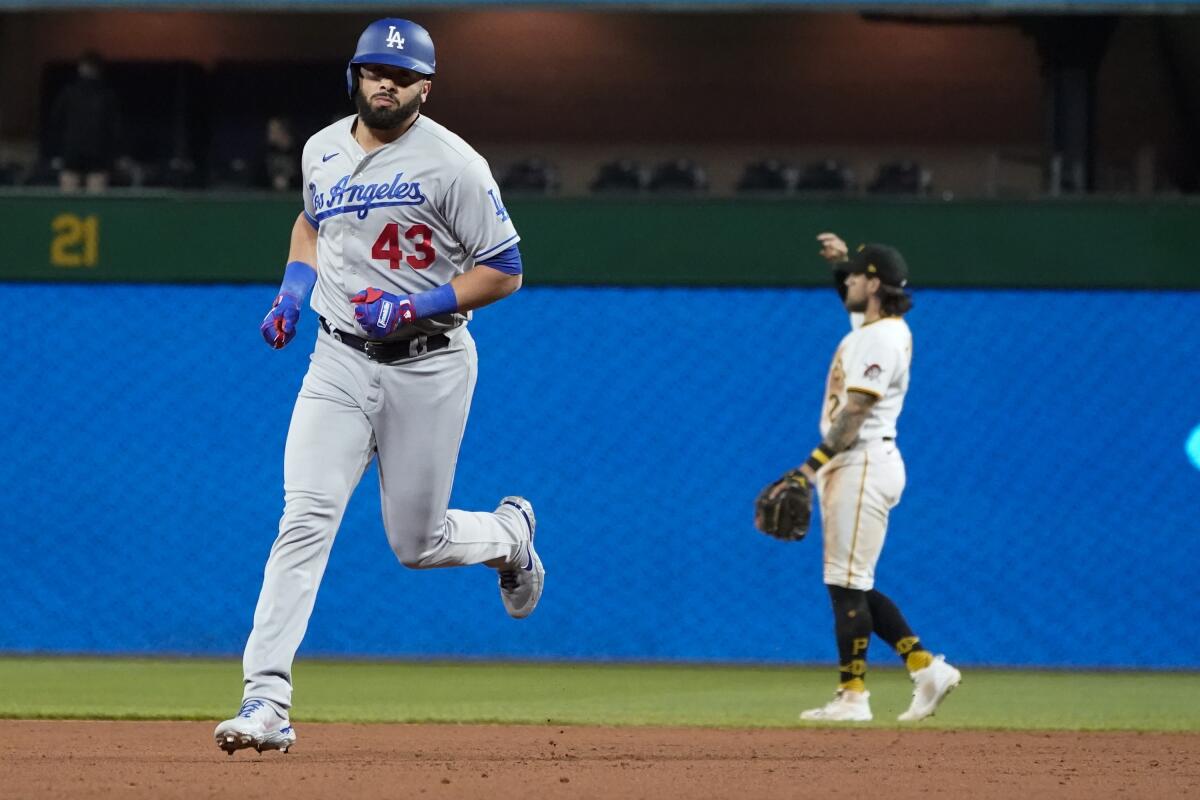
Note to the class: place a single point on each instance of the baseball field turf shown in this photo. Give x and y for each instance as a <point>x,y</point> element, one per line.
<point>589,694</point>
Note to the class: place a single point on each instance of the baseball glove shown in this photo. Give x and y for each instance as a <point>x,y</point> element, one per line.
<point>784,509</point>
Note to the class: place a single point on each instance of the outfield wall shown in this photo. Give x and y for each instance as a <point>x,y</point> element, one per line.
<point>198,238</point>
<point>1050,518</point>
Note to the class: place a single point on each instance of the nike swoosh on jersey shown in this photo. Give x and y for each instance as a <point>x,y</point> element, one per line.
<point>331,155</point>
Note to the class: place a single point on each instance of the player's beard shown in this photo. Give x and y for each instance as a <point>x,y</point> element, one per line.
<point>386,118</point>
<point>856,305</point>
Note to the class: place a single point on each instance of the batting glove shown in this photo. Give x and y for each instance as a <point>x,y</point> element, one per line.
<point>379,313</point>
<point>279,326</point>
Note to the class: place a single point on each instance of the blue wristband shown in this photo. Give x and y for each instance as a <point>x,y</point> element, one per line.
<point>441,300</point>
<point>298,279</point>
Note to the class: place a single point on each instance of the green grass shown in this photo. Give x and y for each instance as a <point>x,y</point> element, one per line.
<point>588,694</point>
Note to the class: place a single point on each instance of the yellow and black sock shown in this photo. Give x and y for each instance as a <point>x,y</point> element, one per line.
<point>891,626</point>
<point>914,653</point>
<point>852,626</point>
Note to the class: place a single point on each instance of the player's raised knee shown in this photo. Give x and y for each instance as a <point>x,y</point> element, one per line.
<point>413,556</point>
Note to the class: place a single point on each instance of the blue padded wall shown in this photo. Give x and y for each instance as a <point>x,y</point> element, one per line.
<point>1050,516</point>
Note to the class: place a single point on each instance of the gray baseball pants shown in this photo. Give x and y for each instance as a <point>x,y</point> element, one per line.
<point>410,415</point>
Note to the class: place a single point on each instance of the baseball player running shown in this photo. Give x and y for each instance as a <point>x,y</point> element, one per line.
<point>403,233</point>
<point>859,476</point>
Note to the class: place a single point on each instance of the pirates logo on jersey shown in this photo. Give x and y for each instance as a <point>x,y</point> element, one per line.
<point>394,39</point>
<point>872,371</point>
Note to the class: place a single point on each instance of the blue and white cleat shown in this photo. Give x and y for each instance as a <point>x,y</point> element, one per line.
<point>257,724</point>
<point>521,583</point>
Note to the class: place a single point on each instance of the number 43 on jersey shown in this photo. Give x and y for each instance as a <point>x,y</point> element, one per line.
<point>387,246</point>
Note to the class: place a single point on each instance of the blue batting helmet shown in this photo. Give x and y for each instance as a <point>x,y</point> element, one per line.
<point>395,42</point>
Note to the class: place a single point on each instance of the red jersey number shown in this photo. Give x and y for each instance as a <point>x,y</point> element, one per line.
<point>387,246</point>
<point>424,247</point>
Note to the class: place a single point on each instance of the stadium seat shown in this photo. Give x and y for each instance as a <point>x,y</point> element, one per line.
<point>679,175</point>
<point>767,176</point>
<point>10,173</point>
<point>530,175</point>
<point>235,172</point>
<point>901,177</point>
<point>624,175</point>
<point>827,175</point>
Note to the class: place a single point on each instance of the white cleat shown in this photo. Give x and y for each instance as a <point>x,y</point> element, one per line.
<point>930,687</point>
<point>846,706</point>
<point>256,725</point>
<point>521,583</point>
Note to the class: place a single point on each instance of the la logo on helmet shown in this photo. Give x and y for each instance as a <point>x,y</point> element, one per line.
<point>394,39</point>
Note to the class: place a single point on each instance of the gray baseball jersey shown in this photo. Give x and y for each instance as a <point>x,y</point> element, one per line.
<point>404,218</point>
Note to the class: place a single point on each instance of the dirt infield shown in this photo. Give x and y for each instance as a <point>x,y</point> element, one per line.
<point>40,759</point>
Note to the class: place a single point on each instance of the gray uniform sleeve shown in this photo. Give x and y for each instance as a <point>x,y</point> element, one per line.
<point>306,190</point>
<point>477,215</point>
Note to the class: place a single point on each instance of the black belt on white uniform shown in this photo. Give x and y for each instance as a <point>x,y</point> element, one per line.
<point>387,352</point>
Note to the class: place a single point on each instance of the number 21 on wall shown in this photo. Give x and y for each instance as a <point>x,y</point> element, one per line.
<point>387,246</point>
<point>75,241</point>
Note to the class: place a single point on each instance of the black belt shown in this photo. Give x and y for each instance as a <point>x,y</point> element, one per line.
<point>387,352</point>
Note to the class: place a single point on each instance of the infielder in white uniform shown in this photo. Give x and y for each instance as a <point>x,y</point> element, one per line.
<point>859,476</point>
<point>403,233</point>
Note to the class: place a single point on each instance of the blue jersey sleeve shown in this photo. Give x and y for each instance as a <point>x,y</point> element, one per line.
<point>507,261</point>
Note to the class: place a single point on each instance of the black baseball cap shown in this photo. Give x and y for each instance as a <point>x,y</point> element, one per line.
<point>879,261</point>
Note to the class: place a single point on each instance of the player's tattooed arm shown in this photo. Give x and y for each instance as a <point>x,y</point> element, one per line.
<point>842,433</point>
<point>847,424</point>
